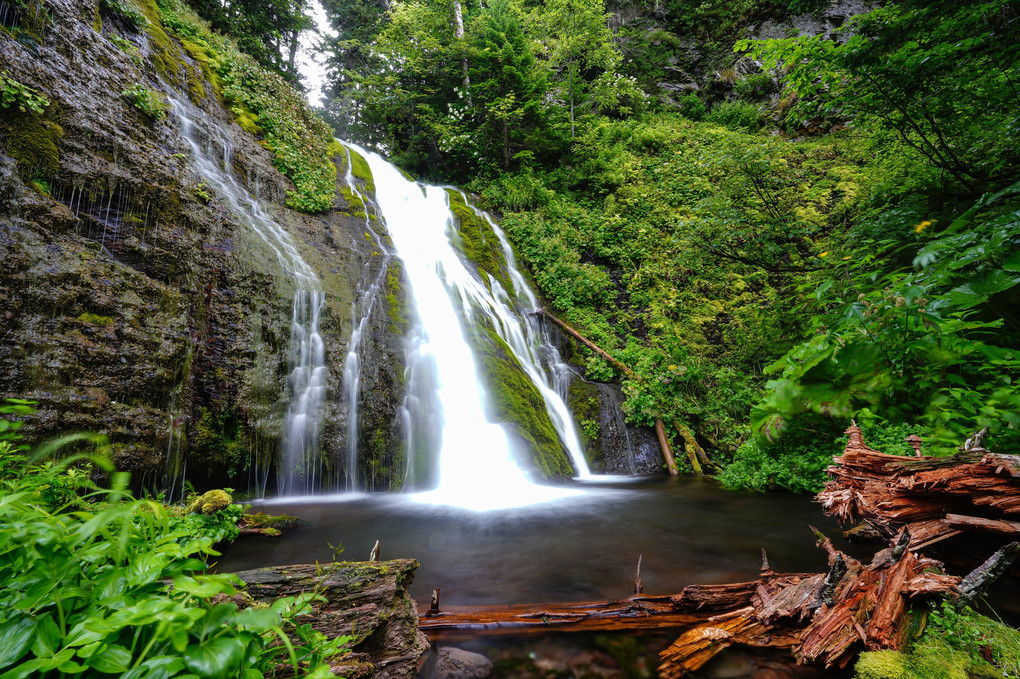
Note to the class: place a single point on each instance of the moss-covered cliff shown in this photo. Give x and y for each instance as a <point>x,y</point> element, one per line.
<point>134,301</point>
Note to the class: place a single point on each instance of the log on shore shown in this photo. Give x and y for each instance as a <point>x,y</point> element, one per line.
<point>934,497</point>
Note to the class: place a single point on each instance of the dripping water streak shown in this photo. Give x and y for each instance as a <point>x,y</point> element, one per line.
<point>300,468</point>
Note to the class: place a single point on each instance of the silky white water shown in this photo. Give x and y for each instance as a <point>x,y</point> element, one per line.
<point>300,468</point>
<point>448,401</point>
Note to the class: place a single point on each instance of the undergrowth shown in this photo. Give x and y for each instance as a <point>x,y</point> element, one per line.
<point>96,582</point>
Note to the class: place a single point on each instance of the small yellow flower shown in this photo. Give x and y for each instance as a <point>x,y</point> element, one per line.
<point>823,254</point>
<point>922,226</point>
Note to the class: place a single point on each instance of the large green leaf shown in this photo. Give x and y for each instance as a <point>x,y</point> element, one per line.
<point>15,638</point>
<point>218,658</point>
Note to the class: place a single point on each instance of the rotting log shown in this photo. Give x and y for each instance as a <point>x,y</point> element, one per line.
<point>640,612</point>
<point>935,498</point>
<point>825,618</point>
<point>667,450</point>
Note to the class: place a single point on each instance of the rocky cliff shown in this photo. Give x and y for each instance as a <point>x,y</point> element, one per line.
<point>133,300</point>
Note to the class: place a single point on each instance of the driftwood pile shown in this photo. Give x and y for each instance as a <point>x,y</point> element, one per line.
<point>933,497</point>
<point>821,618</point>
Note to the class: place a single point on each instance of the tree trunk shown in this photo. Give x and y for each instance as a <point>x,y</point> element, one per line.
<point>458,18</point>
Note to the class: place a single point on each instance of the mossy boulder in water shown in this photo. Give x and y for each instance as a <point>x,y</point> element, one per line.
<point>210,501</point>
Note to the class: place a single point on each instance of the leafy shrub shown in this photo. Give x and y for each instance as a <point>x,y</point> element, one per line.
<point>691,106</point>
<point>115,590</point>
<point>736,115</point>
<point>15,95</point>
<point>149,102</point>
<point>797,462</point>
<point>760,465</point>
<point>755,87</point>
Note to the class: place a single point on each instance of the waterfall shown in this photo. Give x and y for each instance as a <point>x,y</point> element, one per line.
<point>300,468</point>
<point>368,292</point>
<point>446,401</point>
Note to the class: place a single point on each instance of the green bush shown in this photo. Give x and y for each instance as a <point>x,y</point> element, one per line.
<point>149,102</point>
<point>736,115</point>
<point>797,462</point>
<point>114,587</point>
<point>691,106</point>
<point>755,87</point>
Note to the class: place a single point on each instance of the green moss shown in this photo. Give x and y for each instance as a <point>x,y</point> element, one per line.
<point>882,665</point>
<point>476,240</point>
<point>95,319</point>
<point>582,398</point>
<point>361,170</point>
<point>517,402</point>
<point>211,501</point>
<point>33,141</point>
<point>355,206</point>
<point>216,439</point>
<point>395,306</point>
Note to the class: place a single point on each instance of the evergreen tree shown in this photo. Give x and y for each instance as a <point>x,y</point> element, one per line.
<point>508,85</point>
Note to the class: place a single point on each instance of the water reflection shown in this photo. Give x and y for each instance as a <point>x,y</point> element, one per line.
<point>579,548</point>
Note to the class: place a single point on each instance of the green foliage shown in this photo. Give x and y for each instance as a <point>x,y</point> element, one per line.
<point>736,115</point>
<point>942,75</point>
<point>691,106</point>
<point>925,342</point>
<point>115,589</point>
<point>150,102</point>
<point>302,144</point>
<point>264,29</point>
<point>126,9</point>
<point>755,87</point>
<point>955,645</point>
<point>797,462</point>
<point>506,87</point>
<point>15,95</point>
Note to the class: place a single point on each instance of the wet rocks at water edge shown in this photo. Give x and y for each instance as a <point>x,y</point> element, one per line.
<point>449,662</point>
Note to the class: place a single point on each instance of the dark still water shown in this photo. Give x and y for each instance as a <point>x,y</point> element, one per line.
<point>580,548</point>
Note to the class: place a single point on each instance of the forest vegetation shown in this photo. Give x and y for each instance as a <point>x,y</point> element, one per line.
<point>776,235</point>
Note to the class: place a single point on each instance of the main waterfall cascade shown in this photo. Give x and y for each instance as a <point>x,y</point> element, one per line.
<point>445,412</point>
<point>446,401</point>
<point>300,465</point>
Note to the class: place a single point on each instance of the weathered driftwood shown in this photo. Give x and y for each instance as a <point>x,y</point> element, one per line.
<point>820,617</point>
<point>633,613</point>
<point>934,497</point>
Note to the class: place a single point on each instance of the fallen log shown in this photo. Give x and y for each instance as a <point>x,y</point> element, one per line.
<point>825,618</point>
<point>934,497</point>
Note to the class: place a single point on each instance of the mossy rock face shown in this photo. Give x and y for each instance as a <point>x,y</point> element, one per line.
<point>517,402</point>
<point>34,142</point>
<point>475,239</point>
<point>361,170</point>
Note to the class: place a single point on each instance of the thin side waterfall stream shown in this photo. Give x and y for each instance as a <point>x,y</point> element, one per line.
<point>361,313</point>
<point>300,466</point>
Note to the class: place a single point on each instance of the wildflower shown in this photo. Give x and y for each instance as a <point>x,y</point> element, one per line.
<point>922,226</point>
<point>823,254</point>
